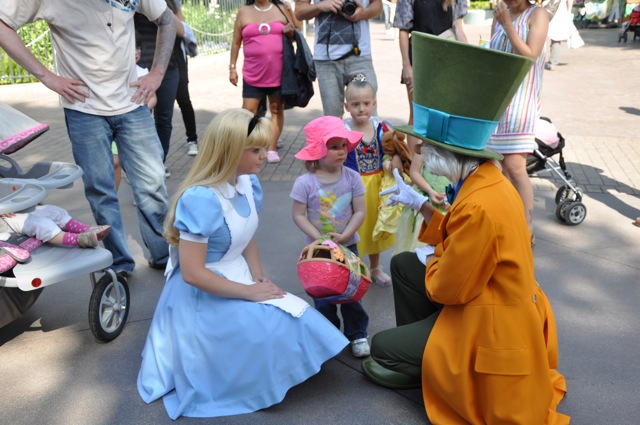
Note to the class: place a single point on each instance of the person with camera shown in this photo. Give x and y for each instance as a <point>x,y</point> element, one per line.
<point>342,46</point>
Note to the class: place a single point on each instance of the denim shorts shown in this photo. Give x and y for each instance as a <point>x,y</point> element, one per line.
<point>252,92</point>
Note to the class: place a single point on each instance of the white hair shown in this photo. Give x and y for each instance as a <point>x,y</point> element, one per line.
<point>453,166</point>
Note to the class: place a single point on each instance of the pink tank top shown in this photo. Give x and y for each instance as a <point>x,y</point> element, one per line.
<point>262,54</point>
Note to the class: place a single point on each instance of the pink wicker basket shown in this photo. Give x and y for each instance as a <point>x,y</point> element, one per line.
<point>331,272</point>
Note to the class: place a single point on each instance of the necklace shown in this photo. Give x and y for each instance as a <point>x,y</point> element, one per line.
<point>266,9</point>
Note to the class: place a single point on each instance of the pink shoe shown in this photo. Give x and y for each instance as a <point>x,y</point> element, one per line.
<point>379,277</point>
<point>272,157</point>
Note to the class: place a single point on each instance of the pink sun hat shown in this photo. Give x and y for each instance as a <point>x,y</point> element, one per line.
<point>319,131</point>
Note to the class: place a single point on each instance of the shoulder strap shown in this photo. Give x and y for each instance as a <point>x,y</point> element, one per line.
<point>281,11</point>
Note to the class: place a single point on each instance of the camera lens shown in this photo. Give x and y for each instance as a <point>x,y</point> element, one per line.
<point>349,7</point>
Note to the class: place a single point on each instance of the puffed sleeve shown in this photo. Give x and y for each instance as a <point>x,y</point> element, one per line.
<point>257,192</point>
<point>198,214</point>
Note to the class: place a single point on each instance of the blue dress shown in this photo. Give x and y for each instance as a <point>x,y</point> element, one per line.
<point>208,356</point>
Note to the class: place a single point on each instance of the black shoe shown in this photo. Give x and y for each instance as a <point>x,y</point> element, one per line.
<point>122,276</point>
<point>157,266</point>
<point>388,378</point>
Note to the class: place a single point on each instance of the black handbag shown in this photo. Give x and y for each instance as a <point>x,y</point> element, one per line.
<point>298,71</point>
<point>298,74</point>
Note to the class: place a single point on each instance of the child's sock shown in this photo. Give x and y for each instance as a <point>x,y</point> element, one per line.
<point>70,239</point>
<point>75,226</point>
<point>87,239</point>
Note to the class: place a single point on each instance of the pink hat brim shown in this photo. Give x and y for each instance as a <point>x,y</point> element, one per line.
<point>318,133</point>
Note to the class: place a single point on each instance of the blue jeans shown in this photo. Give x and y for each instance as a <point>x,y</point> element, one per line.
<point>141,155</point>
<point>163,112</point>
<point>355,318</point>
<point>333,76</point>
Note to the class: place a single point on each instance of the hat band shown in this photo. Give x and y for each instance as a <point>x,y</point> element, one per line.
<point>455,130</point>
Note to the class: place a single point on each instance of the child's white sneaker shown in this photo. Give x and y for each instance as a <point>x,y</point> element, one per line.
<point>360,347</point>
<point>379,277</point>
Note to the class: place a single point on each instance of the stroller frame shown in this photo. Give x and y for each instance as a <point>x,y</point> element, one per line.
<point>631,23</point>
<point>569,207</point>
<point>48,264</point>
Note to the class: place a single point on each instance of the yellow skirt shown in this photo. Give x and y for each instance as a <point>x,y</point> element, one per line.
<point>367,245</point>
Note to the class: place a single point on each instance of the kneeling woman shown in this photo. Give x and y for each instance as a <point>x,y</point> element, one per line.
<point>224,339</point>
<point>474,328</point>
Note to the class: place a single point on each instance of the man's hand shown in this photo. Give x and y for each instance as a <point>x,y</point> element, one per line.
<point>330,6</point>
<point>404,194</point>
<point>146,87</point>
<point>71,90</point>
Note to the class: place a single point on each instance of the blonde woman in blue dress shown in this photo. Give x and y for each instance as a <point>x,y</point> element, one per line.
<point>225,339</point>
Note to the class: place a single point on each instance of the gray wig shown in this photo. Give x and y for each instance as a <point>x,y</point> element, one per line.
<point>455,167</point>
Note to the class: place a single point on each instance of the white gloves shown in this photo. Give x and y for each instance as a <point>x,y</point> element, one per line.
<point>402,193</point>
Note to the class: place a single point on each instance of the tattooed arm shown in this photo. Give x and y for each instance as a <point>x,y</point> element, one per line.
<point>164,47</point>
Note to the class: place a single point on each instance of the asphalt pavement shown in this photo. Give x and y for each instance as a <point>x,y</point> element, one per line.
<point>53,371</point>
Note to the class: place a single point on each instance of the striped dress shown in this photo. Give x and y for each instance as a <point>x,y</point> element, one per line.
<point>515,132</point>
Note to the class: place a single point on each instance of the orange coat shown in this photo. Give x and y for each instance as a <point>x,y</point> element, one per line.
<point>492,354</point>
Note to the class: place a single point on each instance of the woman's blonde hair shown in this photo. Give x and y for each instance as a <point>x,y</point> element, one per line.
<point>220,150</point>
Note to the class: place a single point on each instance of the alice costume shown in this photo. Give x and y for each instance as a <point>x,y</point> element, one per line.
<point>208,356</point>
<point>516,131</point>
<point>366,159</point>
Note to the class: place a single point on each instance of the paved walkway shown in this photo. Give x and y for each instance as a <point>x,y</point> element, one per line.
<point>52,371</point>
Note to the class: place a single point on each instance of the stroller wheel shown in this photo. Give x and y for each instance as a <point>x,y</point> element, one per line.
<point>562,194</point>
<point>574,213</point>
<point>560,209</point>
<point>108,308</point>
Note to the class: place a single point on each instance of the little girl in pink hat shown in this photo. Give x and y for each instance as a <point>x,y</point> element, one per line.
<point>329,201</point>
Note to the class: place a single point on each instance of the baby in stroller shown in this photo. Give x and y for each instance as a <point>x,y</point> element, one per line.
<point>50,223</point>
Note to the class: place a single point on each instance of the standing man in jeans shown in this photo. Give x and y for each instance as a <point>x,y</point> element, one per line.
<point>104,100</point>
<point>342,46</point>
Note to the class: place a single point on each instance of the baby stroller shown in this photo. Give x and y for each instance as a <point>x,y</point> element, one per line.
<point>632,24</point>
<point>569,207</point>
<point>24,276</point>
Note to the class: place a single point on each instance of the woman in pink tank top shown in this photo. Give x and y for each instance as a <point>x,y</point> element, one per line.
<point>259,27</point>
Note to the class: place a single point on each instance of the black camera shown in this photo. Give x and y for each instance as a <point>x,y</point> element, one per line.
<point>349,7</point>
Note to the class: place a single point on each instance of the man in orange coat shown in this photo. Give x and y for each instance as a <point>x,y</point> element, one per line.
<point>474,328</point>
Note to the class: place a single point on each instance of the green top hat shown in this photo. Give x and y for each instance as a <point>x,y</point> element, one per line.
<point>460,92</point>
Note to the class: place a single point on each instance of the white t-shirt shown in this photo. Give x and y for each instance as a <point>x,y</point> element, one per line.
<point>341,35</point>
<point>94,42</point>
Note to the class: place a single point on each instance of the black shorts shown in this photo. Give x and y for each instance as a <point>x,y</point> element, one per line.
<point>252,92</point>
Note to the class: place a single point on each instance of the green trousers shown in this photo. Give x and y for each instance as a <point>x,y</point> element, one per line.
<point>400,349</point>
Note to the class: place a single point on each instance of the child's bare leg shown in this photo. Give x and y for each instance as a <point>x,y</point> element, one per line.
<point>374,260</point>
<point>377,273</point>
<point>57,239</point>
